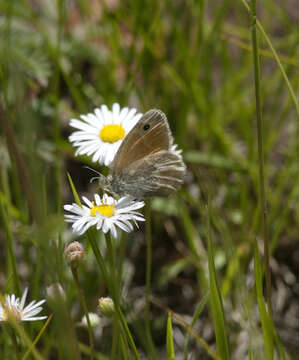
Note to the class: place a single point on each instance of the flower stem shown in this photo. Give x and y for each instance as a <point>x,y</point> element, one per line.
<point>9,329</point>
<point>101,262</point>
<point>83,303</point>
<point>148,270</point>
<point>112,268</point>
<point>263,201</point>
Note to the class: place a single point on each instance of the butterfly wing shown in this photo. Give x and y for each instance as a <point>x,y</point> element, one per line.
<point>158,174</point>
<point>150,135</point>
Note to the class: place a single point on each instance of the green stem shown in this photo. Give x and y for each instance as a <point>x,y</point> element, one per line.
<point>112,268</point>
<point>115,339</point>
<point>102,265</point>
<point>259,119</point>
<point>11,253</point>
<point>84,305</point>
<point>122,253</point>
<point>148,270</point>
<point>127,331</point>
<point>115,293</point>
<point>15,342</point>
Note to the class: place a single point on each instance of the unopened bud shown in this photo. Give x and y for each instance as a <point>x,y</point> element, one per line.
<point>106,306</point>
<point>74,253</point>
<point>93,318</point>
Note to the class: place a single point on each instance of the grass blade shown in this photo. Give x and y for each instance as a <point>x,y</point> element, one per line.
<point>216,301</point>
<point>169,339</point>
<point>267,325</point>
<point>260,125</point>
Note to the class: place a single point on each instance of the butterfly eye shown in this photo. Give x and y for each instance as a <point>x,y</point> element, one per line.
<point>146,127</point>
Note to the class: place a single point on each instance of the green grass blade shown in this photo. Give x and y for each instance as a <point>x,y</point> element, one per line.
<point>169,339</point>
<point>216,302</point>
<point>260,128</point>
<point>196,315</point>
<point>267,326</point>
<point>74,191</point>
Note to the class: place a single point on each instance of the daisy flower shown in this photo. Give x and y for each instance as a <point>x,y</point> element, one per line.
<point>106,214</point>
<point>100,133</point>
<point>13,306</point>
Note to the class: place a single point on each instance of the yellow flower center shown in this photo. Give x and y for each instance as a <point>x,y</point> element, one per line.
<point>104,210</point>
<point>13,311</point>
<point>112,133</point>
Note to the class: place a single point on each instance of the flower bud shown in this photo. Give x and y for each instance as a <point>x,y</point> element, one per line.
<point>74,253</point>
<point>93,318</point>
<point>106,306</point>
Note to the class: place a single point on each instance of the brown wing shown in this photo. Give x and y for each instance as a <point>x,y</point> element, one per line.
<point>158,174</point>
<point>150,135</point>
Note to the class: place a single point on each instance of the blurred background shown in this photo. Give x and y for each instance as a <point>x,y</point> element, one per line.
<point>193,60</point>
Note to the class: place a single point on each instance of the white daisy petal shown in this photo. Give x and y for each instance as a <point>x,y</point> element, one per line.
<point>99,115</point>
<point>97,199</point>
<point>99,223</point>
<point>80,125</point>
<point>30,305</point>
<point>106,114</point>
<point>13,298</point>
<point>123,113</point>
<point>106,197</point>
<point>97,155</point>
<point>35,318</point>
<point>105,227</point>
<point>126,226</point>
<point>133,122</point>
<point>91,120</point>
<point>113,231</point>
<point>33,306</point>
<point>34,311</point>
<point>115,110</point>
<point>130,114</point>
<point>87,202</point>
<point>80,136</point>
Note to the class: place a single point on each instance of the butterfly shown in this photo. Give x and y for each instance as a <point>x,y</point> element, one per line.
<point>146,164</point>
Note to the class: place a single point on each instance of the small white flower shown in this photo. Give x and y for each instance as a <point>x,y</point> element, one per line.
<point>101,133</point>
<point>106,213</point>
<point>13,306</point>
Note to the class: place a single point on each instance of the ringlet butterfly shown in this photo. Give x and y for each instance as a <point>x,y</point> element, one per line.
<point>145,164</point>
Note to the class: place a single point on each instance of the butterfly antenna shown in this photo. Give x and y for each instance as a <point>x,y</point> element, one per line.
<point>97,172</point>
